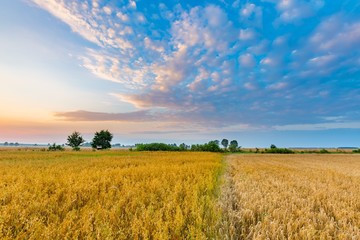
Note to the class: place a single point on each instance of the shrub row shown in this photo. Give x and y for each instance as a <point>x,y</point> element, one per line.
<point>211,146</point>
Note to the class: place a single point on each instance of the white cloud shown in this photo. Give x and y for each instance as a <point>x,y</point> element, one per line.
<point>252,15</point>
<point>73,18</point>
<point>278,86</point>
<point>280,41</point>
<point>247,10</point>
<point>319,126</point>
<point>296,10</point>
<point>140,18</point>
<point>199,82</point>
<point>247,61</point>
<point>114,69</point>
<point>123,17</point>
<point>260,48</point>
<point>337,34</point>
<point>250,86</point>
<point>111,33</point>
<point>268,61</point>
<point>153,45</point>
<point>132,4</point>
<point>322,61</point>
<point>247,34</point>
<point>215,16</point>
<point>173,71</point>
<point>88,22</point>
<point>107,10</point>
<point>328,48</point>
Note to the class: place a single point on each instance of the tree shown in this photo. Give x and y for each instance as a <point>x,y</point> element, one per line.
<point>233,146</point>
<point>272,146</point>
<point>75,140</point>
<point>182,147</point>
<point>211,146</point>
<point>55,147</point>
<point>225,143</point>
<point>102,140</point>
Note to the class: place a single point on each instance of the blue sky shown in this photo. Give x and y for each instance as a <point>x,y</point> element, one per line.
<point>285,72</point>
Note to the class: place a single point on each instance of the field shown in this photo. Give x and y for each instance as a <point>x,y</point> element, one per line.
<point>292,197</point>
<point>178,195</point>
<point>108,195</point>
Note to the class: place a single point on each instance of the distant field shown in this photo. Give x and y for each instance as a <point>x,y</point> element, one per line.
<point>108,195</point>
<point>292,197</point>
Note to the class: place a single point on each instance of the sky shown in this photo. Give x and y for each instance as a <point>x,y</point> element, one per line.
<point>283,72</point>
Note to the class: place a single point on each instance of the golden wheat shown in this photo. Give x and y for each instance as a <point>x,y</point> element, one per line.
<point>292,197</point>
<point>108,195</point>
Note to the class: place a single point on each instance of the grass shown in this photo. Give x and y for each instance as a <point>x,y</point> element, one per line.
<point>108,195</point>
<point>292,197</point>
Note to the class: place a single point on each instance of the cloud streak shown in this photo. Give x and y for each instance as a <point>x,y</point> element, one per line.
<point>137,116</point>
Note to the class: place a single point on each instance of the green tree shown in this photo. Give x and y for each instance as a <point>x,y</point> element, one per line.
<point>102,140</point>
<point>233,146</point>
<point>225,143</point>
<point>75,140</point>
<point>182,147</point>
<point>55,147</point>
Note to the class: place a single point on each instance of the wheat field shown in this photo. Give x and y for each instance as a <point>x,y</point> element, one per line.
<point>178,195</point>
<point>292,197</point>
<point>108,195</point>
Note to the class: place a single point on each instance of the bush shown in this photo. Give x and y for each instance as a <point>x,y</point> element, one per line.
<point>211,146</point>
<point>233,147</point>
<point>156,147</point>
<point>356,150</point>
<point>274,149</point>
<point>55,147</point>
<point>323,151</point>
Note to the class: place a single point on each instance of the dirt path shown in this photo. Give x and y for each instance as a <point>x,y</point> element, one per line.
<point>228,202</point>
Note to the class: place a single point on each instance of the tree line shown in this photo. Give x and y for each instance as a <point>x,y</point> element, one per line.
<point>212,146</point>
<point>103,138</point>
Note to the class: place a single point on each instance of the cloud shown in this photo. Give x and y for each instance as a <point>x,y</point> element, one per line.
<point>292,11</point>
<point>123,17</point>
<point>319,126</point>
<point>161,132</point>
<point>138,116</point>
<point>337,34</point>
<point>114,69</point>
<point>252,15</point>
<point>256,64</point>
<point>107,10</point>
<point>132,4</point>
<point>75,19</point>
<point>247,34</point>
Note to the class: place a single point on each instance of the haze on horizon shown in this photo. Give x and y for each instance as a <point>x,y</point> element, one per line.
<point>285,72</point>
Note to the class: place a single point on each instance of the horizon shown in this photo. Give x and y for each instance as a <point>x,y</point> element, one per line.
<point>261,72</point>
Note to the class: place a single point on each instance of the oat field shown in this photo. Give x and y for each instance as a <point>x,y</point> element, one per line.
<point>292,197</point>
<point>108,195</point>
